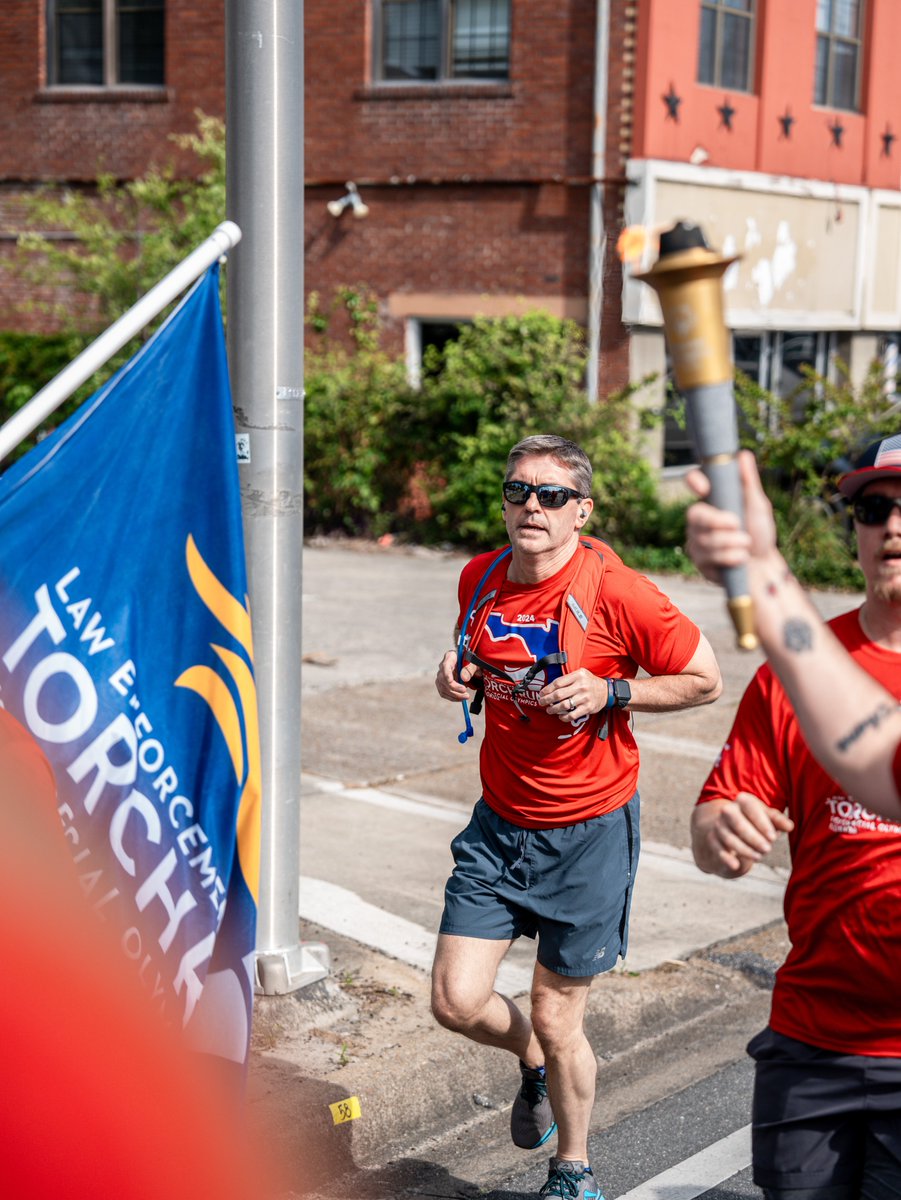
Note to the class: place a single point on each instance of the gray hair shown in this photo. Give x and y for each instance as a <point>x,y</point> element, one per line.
<point>566,453</point>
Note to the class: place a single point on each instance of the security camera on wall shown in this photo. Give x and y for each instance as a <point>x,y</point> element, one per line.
<point>351,199</point>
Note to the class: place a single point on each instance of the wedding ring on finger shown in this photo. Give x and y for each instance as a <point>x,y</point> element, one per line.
<point>572,705</point>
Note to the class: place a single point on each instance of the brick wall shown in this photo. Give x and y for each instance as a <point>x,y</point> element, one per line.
<point>472,188</point>
<point>70,134</point>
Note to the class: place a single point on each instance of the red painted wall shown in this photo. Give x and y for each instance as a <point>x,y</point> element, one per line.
<point>883,97</point>
<point>785,57</point>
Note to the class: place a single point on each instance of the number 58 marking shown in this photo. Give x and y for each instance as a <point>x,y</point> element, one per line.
<point>345,1110</point>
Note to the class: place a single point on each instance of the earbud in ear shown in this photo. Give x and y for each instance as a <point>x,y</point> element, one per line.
<point>582,513</point>
<point>503,508</point>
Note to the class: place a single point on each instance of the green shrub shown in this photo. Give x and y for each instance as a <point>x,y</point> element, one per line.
<point>362,436</point>
<point>127,236</point>
<point>803,442</point>
<point>801,439</point>
<point>815,541</point>
<point>356,465</point>
<point>504,380</point>
<point>28,361</point>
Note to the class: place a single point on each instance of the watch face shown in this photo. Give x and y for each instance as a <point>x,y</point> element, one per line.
<point>622,692</point>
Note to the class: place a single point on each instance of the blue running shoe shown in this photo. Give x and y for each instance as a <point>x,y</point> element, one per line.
<point>571,1181</point>
<point>531,1119</point>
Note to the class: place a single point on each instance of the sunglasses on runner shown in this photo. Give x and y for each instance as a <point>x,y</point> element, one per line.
<point>875,510</point>
<point>550,495</point>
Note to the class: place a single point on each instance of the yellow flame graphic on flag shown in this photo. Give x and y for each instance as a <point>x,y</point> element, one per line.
<point>213,688</point>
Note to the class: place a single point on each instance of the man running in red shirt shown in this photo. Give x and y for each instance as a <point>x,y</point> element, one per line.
<point>552,846</point>
<point>827,1093</point>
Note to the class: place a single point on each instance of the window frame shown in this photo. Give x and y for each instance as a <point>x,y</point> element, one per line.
<point>445,77</point>
<point>832,39</point>
<point>109,20</point>
<point>721,11</point>
<point>770,374</point>
<point>414,342</point>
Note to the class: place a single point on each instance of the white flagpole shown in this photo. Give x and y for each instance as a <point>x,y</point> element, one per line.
<point>92,358</point>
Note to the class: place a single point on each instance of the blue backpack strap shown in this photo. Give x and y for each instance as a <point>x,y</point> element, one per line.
<point>575,615</point>
<point>477,605</point>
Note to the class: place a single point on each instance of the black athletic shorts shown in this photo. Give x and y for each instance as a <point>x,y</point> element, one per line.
<point>824,1120</point>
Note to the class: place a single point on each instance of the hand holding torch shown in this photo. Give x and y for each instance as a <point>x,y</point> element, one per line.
<point>687,278</point>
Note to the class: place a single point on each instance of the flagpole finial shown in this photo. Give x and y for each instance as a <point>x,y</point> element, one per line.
<point>228,234</point>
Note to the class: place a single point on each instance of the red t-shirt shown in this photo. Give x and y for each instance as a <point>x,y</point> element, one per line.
<point>839,987</point>
<point>537,771</point>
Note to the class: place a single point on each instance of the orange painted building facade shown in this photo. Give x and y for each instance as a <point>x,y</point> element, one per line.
<point>784,144</point>
<point>754,138</point>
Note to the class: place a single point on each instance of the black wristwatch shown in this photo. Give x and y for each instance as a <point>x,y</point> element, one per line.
<point>619,694</point>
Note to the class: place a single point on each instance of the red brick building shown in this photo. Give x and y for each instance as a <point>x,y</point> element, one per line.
<point>466,126</point>
<point>493,141</point>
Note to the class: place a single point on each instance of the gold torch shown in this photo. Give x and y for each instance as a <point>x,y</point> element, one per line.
<point>687,278</point>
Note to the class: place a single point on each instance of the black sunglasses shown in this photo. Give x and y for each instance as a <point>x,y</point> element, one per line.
<point>875,510</point>
<point>550,495</point>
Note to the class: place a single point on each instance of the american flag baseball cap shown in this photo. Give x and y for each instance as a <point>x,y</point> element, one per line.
<point>881,460</point>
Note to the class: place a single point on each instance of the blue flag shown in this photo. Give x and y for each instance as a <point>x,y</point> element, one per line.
<point>125,648</point>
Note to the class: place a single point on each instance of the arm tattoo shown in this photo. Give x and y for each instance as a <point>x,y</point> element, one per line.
<point>873,721</point>
<point>798,635</point>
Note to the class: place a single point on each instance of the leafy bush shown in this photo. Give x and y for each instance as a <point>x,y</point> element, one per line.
<point>362,430</point>
<point>381,457</point>
<point>504,380</point>
<point>815,541</point>
<point>127,235</point>
<point>28,361</point>
<point>808,437</point>
<point>803,442</point>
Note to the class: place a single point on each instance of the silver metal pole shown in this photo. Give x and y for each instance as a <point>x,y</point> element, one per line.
<point>264,122</point>
<point>597,240</point>
<point>100,351</point>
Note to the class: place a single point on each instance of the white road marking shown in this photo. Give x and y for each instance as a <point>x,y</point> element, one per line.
<point>681,747</point>
<point>342,911</point>
<point>677,862</point>
<point>437,810</point>
<point>674,861</point>
<point>701,1172</point>
<point>700,907</point>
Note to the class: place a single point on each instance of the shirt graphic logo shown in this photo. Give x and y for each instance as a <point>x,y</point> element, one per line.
<point>530,641</point>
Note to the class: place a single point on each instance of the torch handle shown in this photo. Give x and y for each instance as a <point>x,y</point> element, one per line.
<point>713,427</point>
<point>725,493</point>
<point>688,280</point>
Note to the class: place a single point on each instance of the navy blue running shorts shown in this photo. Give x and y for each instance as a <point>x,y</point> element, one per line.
<point>571,886</point>
<point>824,1121</point>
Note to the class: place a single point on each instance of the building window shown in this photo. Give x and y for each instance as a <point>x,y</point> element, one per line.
<point>776,361</point>
<point>425,334</point>
<point>727,44</point>
<point>837,78</point>
<point>105,43</point>
<point>433,40</point>
<point>890,358</point>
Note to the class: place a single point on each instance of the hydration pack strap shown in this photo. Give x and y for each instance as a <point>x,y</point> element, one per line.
<point>520,686</point>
